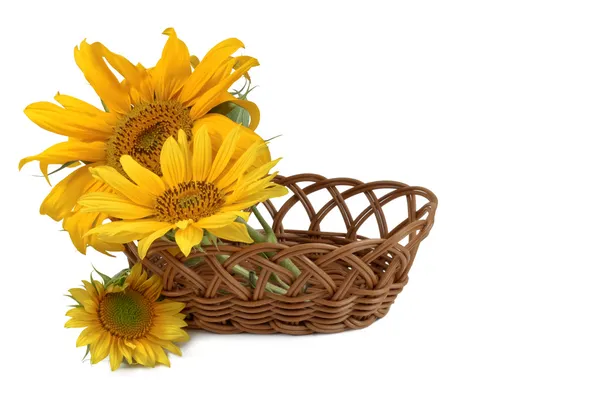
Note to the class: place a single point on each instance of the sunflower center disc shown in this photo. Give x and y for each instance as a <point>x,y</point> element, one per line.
<point>189,200</point>
<point>126,314</point>
<point>143,131</point>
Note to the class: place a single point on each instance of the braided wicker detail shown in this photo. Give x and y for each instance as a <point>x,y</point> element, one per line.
<point>347,281</point>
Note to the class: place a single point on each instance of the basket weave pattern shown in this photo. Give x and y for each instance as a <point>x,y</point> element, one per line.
<point>347,281</point>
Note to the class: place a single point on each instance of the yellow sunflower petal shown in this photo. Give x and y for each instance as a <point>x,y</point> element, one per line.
<point>113,205</point>
<point>273,191</point>
<point>168,307</point>
<point>218,75</point>
<point>99,287</point>
<point>168,332</point>
<point>212,98</point>
<point>143,92</point>
<point>91,307</point>
<point>103,81</point>
<point>240,61</point>
<point>136,277</point>
<point>116,355</point>
<point>204,69</point>
<point>78,223</point>
<point>202,154</point>
<point>80,295</point>
<point>91,288</point>
<point>142,176</point>
<point>127,352</point>
<point>188,238</point>
<point>68,151</point>
<point>234,232</point>
<point>80,314</point>
<point>100,349</point>
<point>173,68</point>
<point>65,194</point>
<point>121,64</point>
<point>151,288</point>
<point>248,187</point>
<point>185,150</point>
<point>216,220</point>
<point>89,335</point>
<point>170,320</point>
<point>136,193</point>
<point>172,163</point>
<point>127,231</point>
<point>104,247</point>
<point>77,323</point>
<point>167,345</point>
<point>77,105</point>
<point>144,244</point>
<point>256,174</point>
<point>224,154</point>
<point>240,166</point>
<point>143,346</point>
<point>160,355</point>
<point>58,120</point>
<point>219,127</point>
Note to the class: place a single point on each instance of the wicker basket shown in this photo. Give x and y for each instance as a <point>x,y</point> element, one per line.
<point>347,281</point>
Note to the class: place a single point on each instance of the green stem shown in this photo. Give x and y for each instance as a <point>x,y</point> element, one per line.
<point>263,223</point>
<point>243,272</point>
<point>286,263</point>
<point>256,236</point>
<point>275,278</point>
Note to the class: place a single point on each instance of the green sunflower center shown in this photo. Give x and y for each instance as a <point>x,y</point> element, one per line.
<point>189,200</point>
<point>143,131</point>
<point>126,314</point>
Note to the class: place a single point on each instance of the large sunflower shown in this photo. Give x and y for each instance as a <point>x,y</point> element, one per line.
<point>143,109</point>
<point>195,193</point>
<point>127,321</point>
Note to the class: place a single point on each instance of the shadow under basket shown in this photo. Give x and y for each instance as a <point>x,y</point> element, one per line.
<point>346,281</point>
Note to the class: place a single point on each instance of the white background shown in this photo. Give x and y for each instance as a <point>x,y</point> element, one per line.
<point>493,105</point>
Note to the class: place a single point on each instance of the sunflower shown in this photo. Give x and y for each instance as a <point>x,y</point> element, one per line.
<point>127,321</point>
<point>196,193</point>
<point>142,110</point>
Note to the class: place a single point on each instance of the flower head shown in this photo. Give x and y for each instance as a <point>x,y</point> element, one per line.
<point>195,192</point>
<point>127,321</point>
<point>143,108</point>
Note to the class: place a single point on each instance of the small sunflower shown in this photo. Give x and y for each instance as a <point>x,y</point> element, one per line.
<point>196,193</point>
<point>143,109</point>
<point>127,321</point>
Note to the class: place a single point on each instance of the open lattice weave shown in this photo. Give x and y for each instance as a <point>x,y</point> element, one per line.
<point>347,281</point>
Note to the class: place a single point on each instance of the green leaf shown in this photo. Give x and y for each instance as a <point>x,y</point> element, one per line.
<point>272,138</point>
<point>73,298</point>
<point>252,278</point>
<point>119,278</point>
<point>105,278</point>
<point>64,166</point>
<point>87,352</point>
<point>211,238</point>
<point>199,247</point>
<point>104,106</point>
<point>239,115</point>
<point>191,262</point>
<point>170,235</point>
